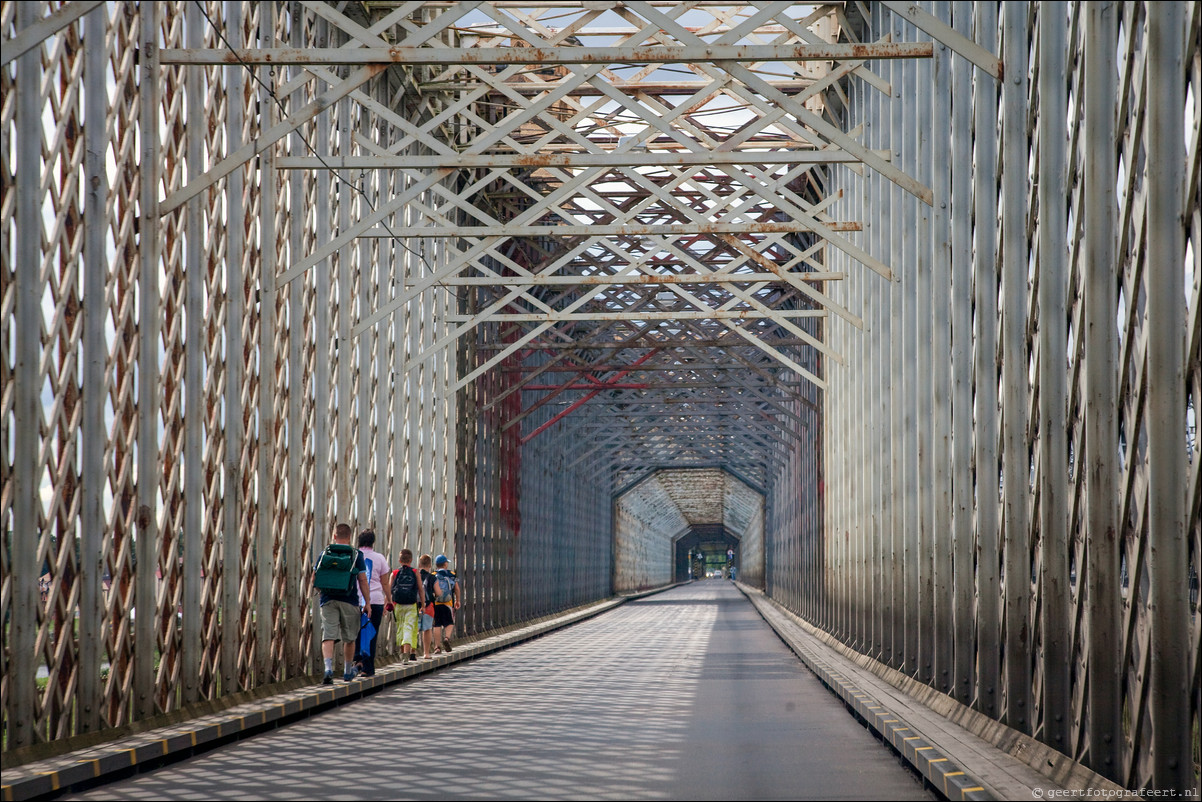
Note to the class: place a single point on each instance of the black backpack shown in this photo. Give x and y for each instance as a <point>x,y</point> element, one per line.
<point>405,586</point>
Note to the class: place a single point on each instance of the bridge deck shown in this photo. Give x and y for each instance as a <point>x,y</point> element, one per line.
<point>686,694</point>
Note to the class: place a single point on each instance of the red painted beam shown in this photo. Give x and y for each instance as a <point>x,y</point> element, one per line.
<point>581,402</point>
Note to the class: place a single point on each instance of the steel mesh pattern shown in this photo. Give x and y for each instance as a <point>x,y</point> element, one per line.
<point>987,596</point>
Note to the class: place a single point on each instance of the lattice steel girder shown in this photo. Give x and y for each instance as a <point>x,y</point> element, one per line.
<point>679,451</point>
<point>763,154</point>
<point>625,230</point>
<point>705,424</point>
<point>779,316</point>
<point>751,422</point>
<point>666,343</point>
<point>658,54</point>
<point>706,311</point>
<point>638,279</point>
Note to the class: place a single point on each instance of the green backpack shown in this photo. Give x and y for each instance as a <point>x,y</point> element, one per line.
<point>335,568</point>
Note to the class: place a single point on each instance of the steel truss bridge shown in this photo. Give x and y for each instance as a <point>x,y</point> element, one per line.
<point>902,298</point>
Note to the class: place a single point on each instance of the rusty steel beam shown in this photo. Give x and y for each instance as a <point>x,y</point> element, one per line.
<point>280,56</point>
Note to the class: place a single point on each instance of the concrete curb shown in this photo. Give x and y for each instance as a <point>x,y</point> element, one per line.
<point>944,774</point>
<point>168,744</point>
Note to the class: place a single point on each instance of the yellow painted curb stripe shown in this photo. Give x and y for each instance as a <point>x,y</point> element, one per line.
<point>970,790</point>
<point>950,774</point>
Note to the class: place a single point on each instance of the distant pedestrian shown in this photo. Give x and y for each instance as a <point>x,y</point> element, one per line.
<point>379,582</point>
<point>341,576</point>
<point>426,618</point>
<point>446,601</point>
<point>408,596</point>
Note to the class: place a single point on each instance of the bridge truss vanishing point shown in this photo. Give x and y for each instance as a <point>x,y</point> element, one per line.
<point>924,275</point>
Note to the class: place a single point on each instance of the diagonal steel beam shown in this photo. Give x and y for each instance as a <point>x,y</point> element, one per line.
<point>947,35</point>
<point>582,401</point>
<point>268,138</point>
<point>27,38</point>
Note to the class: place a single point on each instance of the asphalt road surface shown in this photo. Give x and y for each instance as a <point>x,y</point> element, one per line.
<point>686,694</point>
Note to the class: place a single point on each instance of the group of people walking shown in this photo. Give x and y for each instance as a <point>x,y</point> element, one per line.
<point>358,587</point>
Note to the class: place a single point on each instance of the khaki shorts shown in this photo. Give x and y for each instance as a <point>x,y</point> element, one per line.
<point>340,621</point>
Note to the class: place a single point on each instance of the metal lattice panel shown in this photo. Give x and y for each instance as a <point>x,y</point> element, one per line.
<point>913,448</point>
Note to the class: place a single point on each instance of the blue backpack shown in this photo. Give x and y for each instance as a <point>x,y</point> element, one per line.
<point>444,587</point>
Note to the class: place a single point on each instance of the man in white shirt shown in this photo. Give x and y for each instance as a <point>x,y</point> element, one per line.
<point>379,584</point>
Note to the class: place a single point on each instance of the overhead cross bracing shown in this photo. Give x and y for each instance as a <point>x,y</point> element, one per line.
<point>594,198</point>
<point>585,218</point>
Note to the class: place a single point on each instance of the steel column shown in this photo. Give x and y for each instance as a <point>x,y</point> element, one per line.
<point>1015,454</point>
<point>1168,548</point>
<point>942,536</point>
<point>1102,273</point>
<point>985,359</point>
<point>878,403</point>
<point>924,370</point>
<point>1053,391</point>
<point>326,466</point>
<point>898,397</point>
<point>145,590</point>
<point>22,611</point>
<point>344,492</point>
<point>962,684</point>
<point>94,434</point>
<point>296,393</point>
<point>266,521</point>
<point>912,375</point>
<point>194,345</point>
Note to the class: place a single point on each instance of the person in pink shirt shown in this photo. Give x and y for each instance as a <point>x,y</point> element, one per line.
<point>379,584</point>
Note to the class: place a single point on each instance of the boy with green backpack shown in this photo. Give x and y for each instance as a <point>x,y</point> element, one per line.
<point>338,570</point>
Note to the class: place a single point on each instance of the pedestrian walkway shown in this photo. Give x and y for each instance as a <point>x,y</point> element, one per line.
<point>687,694</point>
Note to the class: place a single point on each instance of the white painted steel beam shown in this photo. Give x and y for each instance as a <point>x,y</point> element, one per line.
<point>34,33</point>
<point>637,279</point>
<point>781,315</point>
<point>267,138</point>
<point>941,31</point>
<point>591,230</point>
<point>758,153</point>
